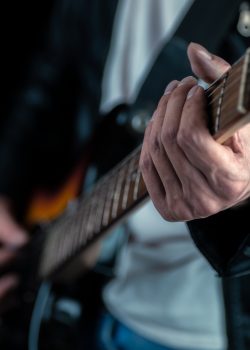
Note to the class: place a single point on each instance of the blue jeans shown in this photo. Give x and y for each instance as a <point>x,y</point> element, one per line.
<point>113,335</point>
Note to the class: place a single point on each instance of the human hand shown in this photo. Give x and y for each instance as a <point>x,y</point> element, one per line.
<point>12,237</point>
<point>187,173</point>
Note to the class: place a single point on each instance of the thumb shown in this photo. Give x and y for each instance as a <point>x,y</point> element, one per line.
<point>205,65</point>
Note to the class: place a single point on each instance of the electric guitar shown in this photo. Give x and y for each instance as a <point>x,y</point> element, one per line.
<point>122,189</point>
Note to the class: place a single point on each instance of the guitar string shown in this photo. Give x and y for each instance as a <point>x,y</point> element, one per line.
<point>233,81</point>
<point>233,74</point>
<point>72,249</point>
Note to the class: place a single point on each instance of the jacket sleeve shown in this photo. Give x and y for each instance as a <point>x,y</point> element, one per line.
<point>224,239</point>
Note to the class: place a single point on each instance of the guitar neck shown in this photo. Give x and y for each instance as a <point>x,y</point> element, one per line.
<point>229,100</point>
<point>123,188</point>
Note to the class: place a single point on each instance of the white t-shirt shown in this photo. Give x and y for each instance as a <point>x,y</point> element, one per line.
<point>164,288</point>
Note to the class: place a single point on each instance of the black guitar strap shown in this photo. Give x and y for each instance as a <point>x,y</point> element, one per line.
<point>207,23</point>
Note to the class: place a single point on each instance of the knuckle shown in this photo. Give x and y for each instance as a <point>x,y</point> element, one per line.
<point>168,215</point>
<point>182,138</point>
<point>162,103</point>
<point>188,138</point>
<point>145,163</point>
<point>204,207</point>
<point>179,211</point>
<point>176,93</point>
<point>227,184</point>
<point>168,135</point>
<point>194,202</point>
<point>231,190</point>
<point>155,145</point>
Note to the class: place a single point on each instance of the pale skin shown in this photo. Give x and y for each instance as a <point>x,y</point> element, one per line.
<point>189,175</point>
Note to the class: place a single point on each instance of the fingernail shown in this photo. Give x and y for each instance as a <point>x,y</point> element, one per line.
<point>170,87</point>
<point>188,79</point>
<point>204,53</point>
<point>192,91</point>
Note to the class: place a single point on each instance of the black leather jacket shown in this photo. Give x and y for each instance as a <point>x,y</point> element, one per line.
<point>57,111</point>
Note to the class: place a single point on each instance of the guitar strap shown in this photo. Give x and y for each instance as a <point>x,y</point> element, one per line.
<point>207,23</point>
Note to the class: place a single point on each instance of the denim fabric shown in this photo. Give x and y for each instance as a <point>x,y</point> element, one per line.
<point>113,335</point>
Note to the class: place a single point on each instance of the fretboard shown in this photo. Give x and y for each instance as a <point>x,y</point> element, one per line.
<point>123,188</point>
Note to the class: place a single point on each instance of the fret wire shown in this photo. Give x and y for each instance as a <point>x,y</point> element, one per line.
<point>128,183</point>
<point>134,168</point>
<point>102,193</point>
<point>84,214</point>
<point>90,221</point>
<point>76,236</point>
<point>230,85</point>
<point>58,244</point>
<point>229,96</point>
<point>83,198</point>
<point>63,238</point>
<point>232,75</point>
<point>53,246</point>
<point>108,204</point>
<point>233,72</point>
<point>244,77</point>
<point>73,234</point>
<point>136,185</point>
<point>117,193</point>
<point>114,171</point>
<point>68,248</point>
<point>230,105</point>
<point>218,110</point>
<point>233,116</point>
<point>229,88</point>
<point>96,195</point>
<point>53,242</point>
<point>119,165</point>
<point>65,243</point>
<point>69,233</point>
<point>99,213</point>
